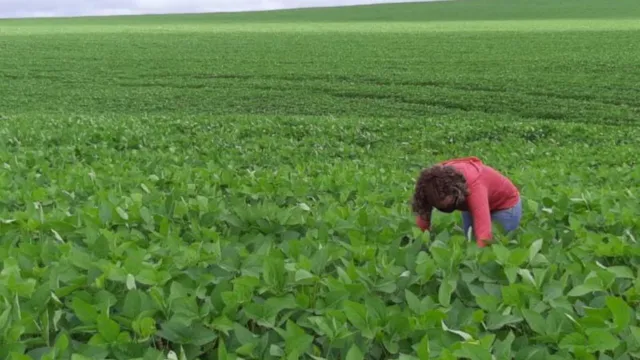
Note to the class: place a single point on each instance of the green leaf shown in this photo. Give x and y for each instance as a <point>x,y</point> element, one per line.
<point>80,258</point>
<point>635,332</point>
<point>602,340</point>
<point>275,350</point>
<point>273,306</point>
<point>303,275</point>
<point>584,289</point>
<point>243,335</point>
<point>534,249</point>
<point>297,341</point>
<point>472,351</point>
<point>573,341</point>
<point>502,253</point>
<point>200,335</point>
<point>222,350</point>
<point>518,257</point>
<point>108,329</point>
<point>4,319</point>
<point>357,314</point>
<point>354,353</point>
<point>80,357</point>
<point>424,349</point>
<point>623,272</point>
<point>512,273</point>
<point>274,270</point>
<point>145,327</point>
<point>137,303</point>
<point>131,282</point>
<point>123,214</point>
<point>407,357</point>
<point>466,336</point>
<point>181,209</point>
<point>62,343</point>
<point>146,216</point>
<point>497,321</point>
<point>488,302</point>
<point>105,213</point>
<point>413,302</point>
<point>502,348</point>
<point>536,322</point>
<point>622,312</point>
<point>447,287</point>
<point>222,324</point>
<point>16,356</point>
<point>376,310</point>
<point>84,311</point>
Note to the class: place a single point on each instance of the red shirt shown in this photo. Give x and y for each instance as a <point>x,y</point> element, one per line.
<point>488,191</point>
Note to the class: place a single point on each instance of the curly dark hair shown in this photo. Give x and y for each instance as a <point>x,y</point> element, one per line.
<point>436,183</point>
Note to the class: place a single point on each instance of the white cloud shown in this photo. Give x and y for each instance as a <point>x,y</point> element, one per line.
<point>48,8</point>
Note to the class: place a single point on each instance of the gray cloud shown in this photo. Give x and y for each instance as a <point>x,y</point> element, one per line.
<point>48,8</point>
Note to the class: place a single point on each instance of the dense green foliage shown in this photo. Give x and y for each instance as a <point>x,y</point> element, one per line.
<point>238,190</point>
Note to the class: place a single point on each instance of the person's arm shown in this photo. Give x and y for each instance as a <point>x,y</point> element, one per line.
<point>478,202</point>
<point>424,224</point>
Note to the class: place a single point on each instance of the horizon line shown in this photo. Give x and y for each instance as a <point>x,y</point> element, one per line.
<point>128,13</point>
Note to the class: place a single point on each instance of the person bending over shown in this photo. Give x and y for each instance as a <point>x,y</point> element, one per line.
<point>480,192</point>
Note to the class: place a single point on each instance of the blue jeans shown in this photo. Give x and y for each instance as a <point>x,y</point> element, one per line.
<point>509,219</point>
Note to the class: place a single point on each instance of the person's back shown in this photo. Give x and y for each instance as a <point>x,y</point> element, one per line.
<point>502,193</point>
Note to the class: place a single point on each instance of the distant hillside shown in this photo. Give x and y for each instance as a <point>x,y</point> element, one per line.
<point>452,10</point>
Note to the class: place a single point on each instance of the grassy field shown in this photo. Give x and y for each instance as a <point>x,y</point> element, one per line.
<point>236,186</point>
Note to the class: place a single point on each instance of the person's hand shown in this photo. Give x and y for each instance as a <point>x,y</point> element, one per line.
<point>423,225</point>
<point>485,243</point>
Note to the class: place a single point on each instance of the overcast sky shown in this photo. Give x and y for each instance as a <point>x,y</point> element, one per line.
<point>41,8</point>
